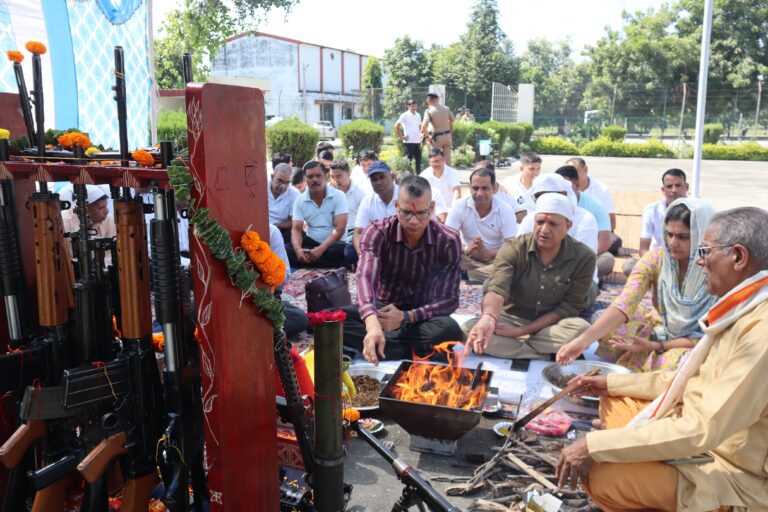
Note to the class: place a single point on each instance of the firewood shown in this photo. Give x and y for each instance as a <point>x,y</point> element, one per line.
<point>486,505</point>
<point>533,452</point>
<point>535,474</point>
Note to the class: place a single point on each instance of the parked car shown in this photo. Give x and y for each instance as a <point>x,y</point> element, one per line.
<point>326,129</point>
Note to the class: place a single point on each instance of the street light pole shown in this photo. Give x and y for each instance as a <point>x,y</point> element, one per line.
<point>701,99</point>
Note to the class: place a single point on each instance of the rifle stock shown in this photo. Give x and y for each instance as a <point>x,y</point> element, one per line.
<point>51,498</point>
<point>137,491</point>
<point>93,466</point>
<point>17,445</point>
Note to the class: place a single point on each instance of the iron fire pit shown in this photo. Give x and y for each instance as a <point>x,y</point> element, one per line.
<point>435,422</point>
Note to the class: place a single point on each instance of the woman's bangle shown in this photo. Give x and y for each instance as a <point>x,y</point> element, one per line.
<point>495,318</point>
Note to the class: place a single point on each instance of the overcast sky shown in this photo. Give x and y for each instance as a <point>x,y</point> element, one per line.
<point>371,26</point>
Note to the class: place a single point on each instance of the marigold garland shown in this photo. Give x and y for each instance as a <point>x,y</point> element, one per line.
<point>219,242</point>
<point>15,56</point>
<point>269,264</point>
<point>72,139</point>
<point>327,316</point>
<point>36,47</point>
<point>143,158</point>
<point>158,342</point>
<point>4,134</point>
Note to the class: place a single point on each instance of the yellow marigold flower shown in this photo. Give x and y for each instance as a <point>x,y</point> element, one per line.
<point>91,150</point>
<point>4,134</point>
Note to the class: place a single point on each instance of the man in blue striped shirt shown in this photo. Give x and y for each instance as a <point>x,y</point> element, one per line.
<point>407,280</point>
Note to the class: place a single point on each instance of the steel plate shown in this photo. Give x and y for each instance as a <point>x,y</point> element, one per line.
<point>553,371</point>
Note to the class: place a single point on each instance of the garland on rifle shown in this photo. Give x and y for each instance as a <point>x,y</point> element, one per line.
<point>244,267</point>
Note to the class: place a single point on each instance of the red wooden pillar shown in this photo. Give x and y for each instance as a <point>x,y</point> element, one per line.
<point>227,158</point>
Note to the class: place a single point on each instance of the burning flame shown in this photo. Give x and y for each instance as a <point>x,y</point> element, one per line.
<point>436,384</point>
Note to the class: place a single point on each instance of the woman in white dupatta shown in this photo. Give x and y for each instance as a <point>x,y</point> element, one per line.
<point>645,339</point>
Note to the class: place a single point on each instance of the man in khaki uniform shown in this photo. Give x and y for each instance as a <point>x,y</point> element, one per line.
<point>540,284</point>
<point>715,404</point>
<point>441,118</point>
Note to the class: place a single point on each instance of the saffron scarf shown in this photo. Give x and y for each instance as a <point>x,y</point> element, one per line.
<point>741,300</point>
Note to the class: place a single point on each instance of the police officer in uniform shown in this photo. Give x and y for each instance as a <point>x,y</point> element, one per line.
<point>441,118</point>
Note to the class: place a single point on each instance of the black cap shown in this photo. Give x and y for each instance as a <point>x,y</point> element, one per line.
<point>432,95</point>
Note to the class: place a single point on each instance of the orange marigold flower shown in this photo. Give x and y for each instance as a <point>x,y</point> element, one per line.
<point>143,158</point>
<point>36,47</point>
<point>15,56</point>
<point>158,341</point>
<point>351,414</point>
<point>72,139</point>
<point>155,505</point>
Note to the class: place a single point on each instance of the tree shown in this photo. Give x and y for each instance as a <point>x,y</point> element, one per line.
<point>559,82</point>
<point>371,101</point>
<point>408,74</point>
<point>483,55</point>
<point>201,27</point>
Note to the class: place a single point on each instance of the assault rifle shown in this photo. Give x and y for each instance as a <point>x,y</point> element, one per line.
<point>26,107</point>
<point>181,454</point>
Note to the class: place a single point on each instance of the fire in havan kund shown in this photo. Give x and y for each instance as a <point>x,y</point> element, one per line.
<point>437,384</point>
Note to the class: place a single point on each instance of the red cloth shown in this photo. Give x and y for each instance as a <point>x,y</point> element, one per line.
<point>302,375</point>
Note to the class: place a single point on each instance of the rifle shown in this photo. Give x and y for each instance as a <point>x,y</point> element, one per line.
<point>132,429</point>
<point>26,108</point>
<point>186,67</point>
<point>181,453</point>
<point>37,92</point>
<point>417,491</point>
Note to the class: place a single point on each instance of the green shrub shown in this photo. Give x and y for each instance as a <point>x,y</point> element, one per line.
<point>509,148</point>
<point>173,126</point>
<point>746,151</point>
<point>397,162</point>
<point>463,156</point>
<point>463,133</point>
<point>607,147</point>
<point>554,146</point>
<point>712,133</point>
<point>293,137</point>
<point>362,134</point>
<point>527,131</point>
<point>614,133</point>
<point>500,132</point>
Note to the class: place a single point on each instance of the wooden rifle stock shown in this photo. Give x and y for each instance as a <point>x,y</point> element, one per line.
<point>52,498</point>
<point>93,466</point>
<point>16,446</point>
<point>133,266</point>
<point>55,274</point>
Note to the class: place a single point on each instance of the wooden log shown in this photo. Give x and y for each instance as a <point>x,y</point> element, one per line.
<point>532,472</point>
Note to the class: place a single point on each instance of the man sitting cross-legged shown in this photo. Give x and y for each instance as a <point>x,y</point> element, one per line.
<point>281,197</point>
<point>715,404</point>
<point>324,209</point>
<point>539,285</point>
<point>407,280</point>
<point>484,222</point>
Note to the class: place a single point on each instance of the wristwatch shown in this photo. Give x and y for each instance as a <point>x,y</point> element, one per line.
<point>406,321</point>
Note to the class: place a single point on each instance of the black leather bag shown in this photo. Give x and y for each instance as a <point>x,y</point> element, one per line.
<point>329,290</point>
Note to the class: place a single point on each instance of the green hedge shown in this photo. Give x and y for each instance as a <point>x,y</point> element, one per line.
<point>614,133</point>
<point>463,156</point>
<point>293,137</point>
<point>554,146</point>
<point>712,133</point>
<point>173,126</point>
<point>606,147</point>
<point>528,131</point>
<point>362,134</point>
<point>746,151</point>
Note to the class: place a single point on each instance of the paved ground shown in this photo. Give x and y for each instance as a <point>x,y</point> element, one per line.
<point>724,183</point>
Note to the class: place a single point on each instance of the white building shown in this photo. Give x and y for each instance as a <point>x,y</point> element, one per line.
<point>309,81</point>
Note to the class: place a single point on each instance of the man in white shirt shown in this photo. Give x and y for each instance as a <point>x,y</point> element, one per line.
<point>518,187</point>
<point>408,129</point>
<point>341,180</point>
<point>380,204</point>
<point>359,172</point>
<point>295,318</point>
<point>602,193</point>
<point>280,196</point>
<point>484,223</point>
<point>584,228</point>
<point>442,177</point>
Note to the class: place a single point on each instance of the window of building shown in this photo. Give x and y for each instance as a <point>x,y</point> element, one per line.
<point>326,112</point>
<point>347,111</point>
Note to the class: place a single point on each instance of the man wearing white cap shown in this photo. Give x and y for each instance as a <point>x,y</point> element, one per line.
<point>102,222</point>
<point>540,284</point>
<point>584,228</point>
